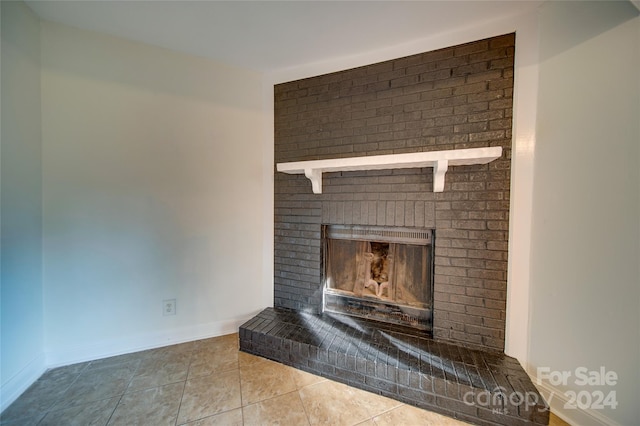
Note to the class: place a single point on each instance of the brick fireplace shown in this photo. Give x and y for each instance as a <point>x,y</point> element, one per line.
<point>453,98</point>
<point>450,99</point>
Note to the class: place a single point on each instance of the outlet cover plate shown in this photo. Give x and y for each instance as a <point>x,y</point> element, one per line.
<point>169,307</point>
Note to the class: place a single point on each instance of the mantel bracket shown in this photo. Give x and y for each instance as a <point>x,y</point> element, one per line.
<point>315,176</point>
<point>439,170</point>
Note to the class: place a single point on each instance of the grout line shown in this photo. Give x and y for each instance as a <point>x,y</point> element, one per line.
<point>240,379</point>
<point>125,390</point>
<point>48,410</point>
<point>386,411</point>
<point>57,400</point>
<point>304,408</point>
<point>115,407</point>
<point>184,386</point>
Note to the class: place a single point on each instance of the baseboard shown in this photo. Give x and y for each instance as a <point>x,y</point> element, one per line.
<point>558,402</point>
<point>20,382</point>
<point>113,347</point>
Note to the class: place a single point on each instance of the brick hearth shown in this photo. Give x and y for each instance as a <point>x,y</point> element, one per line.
<point>477,386</point>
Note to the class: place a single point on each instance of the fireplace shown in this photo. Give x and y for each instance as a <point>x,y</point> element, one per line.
<point>379,273</point>
<point>353,241</point>
<point>450,100</point>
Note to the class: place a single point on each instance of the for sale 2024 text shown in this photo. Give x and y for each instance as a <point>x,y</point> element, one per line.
<point>595,399</point>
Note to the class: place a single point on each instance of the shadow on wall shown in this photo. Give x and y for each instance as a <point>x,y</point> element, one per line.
<point>156,70</point>
<point>580,24</point>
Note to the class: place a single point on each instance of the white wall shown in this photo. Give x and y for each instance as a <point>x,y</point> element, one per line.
<point>152,190</point>
<point>21,352</point>
<point>585,305</point>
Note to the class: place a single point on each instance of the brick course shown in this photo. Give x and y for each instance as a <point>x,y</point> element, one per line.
<point>453,98</point>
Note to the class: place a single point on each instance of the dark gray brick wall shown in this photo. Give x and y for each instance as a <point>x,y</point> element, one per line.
<point>453,98</point>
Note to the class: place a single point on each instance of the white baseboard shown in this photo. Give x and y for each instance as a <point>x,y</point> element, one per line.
<point>113,347</point>
<point>558,402</point>
<point>20,382</point>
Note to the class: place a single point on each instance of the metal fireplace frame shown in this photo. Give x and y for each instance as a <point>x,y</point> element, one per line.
<point>378,309</point>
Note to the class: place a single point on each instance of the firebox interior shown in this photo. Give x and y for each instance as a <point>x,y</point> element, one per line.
<point>379,273</point>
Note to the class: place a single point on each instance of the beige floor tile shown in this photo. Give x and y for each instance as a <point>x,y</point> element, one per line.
<point>208,395</point>
<point>93,413</point>
<point>332,403</point>
<point>228,418</point>
<point>409,415</point>
<point>23,421</point>
<point>169,351</point>
<point>94,385</point>
<point>156,406</point>
<point>154,372</point>
<point>265,379</point>
<point>40,396</point>
<point>114,361</point>
<point>302,378</point>
<point>282,410</point>
<point>556,421</point>
<point>214,358</point>
<point>62,374</point>
<point>370,422</point>
<point>23,408</point>
<point>246,359</point>
<point>228,341</point>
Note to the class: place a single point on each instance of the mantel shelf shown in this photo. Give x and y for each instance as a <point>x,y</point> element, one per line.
<point>439,160</point>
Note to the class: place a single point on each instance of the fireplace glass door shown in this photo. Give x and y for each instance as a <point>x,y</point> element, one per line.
<point>380,273</point>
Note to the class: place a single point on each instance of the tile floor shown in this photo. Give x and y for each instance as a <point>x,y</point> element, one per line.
<point>205,382</point>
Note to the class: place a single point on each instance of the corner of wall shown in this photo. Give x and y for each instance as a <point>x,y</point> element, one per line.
<point>22,354</point>
<point>268,191</point>
<point>524,140</point>
<point>20,382</point>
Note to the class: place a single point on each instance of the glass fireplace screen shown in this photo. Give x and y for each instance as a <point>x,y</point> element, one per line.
<point>381,273</point>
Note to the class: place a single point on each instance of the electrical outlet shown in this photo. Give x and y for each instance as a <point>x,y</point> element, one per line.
<point>169,307</point>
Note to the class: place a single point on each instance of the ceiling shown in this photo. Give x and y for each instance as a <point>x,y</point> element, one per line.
<point>272,35</point>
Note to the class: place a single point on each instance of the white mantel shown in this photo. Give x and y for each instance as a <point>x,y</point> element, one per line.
<point>439,160</point>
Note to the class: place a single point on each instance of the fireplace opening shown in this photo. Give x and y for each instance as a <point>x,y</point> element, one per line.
<point>379,273</point>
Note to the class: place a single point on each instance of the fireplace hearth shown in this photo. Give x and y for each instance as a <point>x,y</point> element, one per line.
<point>480,387</point>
